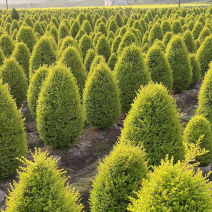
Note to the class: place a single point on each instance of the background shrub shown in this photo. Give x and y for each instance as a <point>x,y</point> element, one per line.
<point>103,48</point>
<point>85,44</point>
<point>195,66</point>
<point>112,61</point>
<point>6,45</point>
<point>89,59</point>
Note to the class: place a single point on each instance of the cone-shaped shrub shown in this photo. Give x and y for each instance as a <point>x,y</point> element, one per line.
<point>2,57</point>
<point>131,73</point>
<point>189,41</point>
<point>197,30</point>
<point>14,26</point>
<point>205,33</point>
<point>195,66</point>
<point>97,60</point>
<point>199,126</point>
<point>102,28</point>
<point>166,27</point>
<point>119,20</point>
<point>26,35</point>
<point>87,27</point>
<point>80,34</point>
<point>138,26</point>
<point>191,25</point>
<point>154,121</point>
<point>119,176</point>
<point>176,27</point>
<point>167,37</point>
<point>89,59</point>
<point>36,190</point>
<point>158,67</point>
<point>103,48</point>
<point>180,64</point>
<point>6,45</point>
<point>22,56</point>
<point>63,31</point>
<point>12,73</point>
<point>13,142</point>
<point>112,61</point>
<point>35,86</point>
<point>43,53</point>
<point>75,29</point>
<point>37,28</point>
<point>101,98</point>
<point>173,187</point>
<point>60,117</point>
<point>85,44</point>
<point>204,54</point>
<point>14,14</point>
<point>113,26</point>
<point>72,59</point>
<point>115,44</point>
<point>155,33</point>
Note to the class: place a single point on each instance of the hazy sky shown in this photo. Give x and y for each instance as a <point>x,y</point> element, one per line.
<point>19,1</point>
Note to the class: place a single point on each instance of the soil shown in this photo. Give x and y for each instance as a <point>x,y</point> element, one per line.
<point>81,160</point>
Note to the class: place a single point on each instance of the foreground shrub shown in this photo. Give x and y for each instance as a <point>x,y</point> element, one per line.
<point>154,122</point>
<point>195,66</point>
<point>13,142</point>
<point>6,45</point>
<point>60,118</point>
<point>118,176</point>
<point>103,47</point>
<point>36,190</point>
<point>101,98</point>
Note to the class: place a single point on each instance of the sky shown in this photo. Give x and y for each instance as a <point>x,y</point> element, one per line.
<point>19,1</point>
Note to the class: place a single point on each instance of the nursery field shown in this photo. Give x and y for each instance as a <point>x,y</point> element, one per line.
<point>106,109</point>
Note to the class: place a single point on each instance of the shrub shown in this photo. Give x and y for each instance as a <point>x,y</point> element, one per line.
<point>37,28</point>
<point>173,188</point>
<point>2,57</point>
<point>138,26</point>
<point>115,44</point>
<point>112,61</point>
<point>87,27</point>
<point>97,60</point>
<point>89,59</point>
<point>155,33</point>
<point>154,122</point>
<point>63,31</point>
<point>167,37</point>
<point>191,25</point>
<point>118,176</point>
<point>6,45</point>
<point>72,59</point>
<point>60,117</point>
<point>176,27</point>
<point>74,28</point>
<point>102,28</point>
<point>113,26</point>
<point>35,86</point>
<point>189,41</point>
<point>166,27</point>
<point>34,192</point>
<point>103,47</point>
<point>26,35</point>
<point>119,20</point>
<point>85,44</point>
<point>131,73</point>
<point>158,67</point>
<point>22,56</point>
<point>101,98</point>
<point>14,14</point>
<point>197,30</point>
<point>178,59</point>
<point>205,33</point>
<point>14,26</point>
<point>53,32</point>
<point>43,53</point>
<point>80,34</point>
<point>195,66</point>
<point>199,126</point>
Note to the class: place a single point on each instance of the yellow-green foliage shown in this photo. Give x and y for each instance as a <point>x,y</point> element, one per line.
<point>6,45</point>
<point>103,47</point>
<point>196,71</point>
<point>85,43</point>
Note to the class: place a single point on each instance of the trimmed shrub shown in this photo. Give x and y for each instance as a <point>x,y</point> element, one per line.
<point>96,37</point>
<point>119,175</point>
<point>178,59</point>
<point>73,60</point>
<point>87,27</point>
<point>199,126</point>
<point>14,26</point>
<point>37,28</point>
<point>103,47</point>
<point>85,44</point>
<point>97,60</point>
<point>12,73</point>
<point>198,27</point>
<point>154,122</point>
<point>173,188</point>
<point>191,25</point>
<point>14,14</point>
<point>102,28</point>
<point>101,98</point>
<point>130,72</point>
<point>22,56</point>
<point>113,26</point>
<point>34,192</point>
<point>75,28</point>
<point>6,45</point>
<point>60,117</point>
<point>195,66</point>
<point>110,35</point>
<point>35,85</point>
<point>62,31</point>
<point>43,53</point>
<point>80,34</point>
<point>166,27</point>
<point>53,32</point>
<point>176,27</point>
<point>205,33</point>
<point>89,59</point>
<point>138,26</point>
<point>2,57</point>
<point>155,33</point>
<point>119,20</point>
<point>158,67</point>
<point>189,41</point>
<point>115,44</point>
<point>160,44</point>
<point>112,61</point>
<point>143,24</point>
<point>26,35</point>
<point>167,37</point>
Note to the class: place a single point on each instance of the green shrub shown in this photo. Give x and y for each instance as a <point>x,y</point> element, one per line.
<point>197,30</point>
<point>138,26</point>
<point>131,73</point>
<point>37,28</point>
<point>178,59</point>
<point>113,26</point>
<point>204,55</point>
<point>85,44</point>
<point>196,71</point>
<point>74,29</point>
<point>2,57</point>
<point>26,35</point>
<point>60,117</point>
<point>191,25</point>
<point>97,60</point>
<point>12,73</point>
<point>115,44</point>
<point>158,67</point>
<point>173,188</point>
<point>87,27</point>
<point>72,59</point>
<point>22,56</point>
<point>80,34</point>
<point>160,44</point>
<point>81,17</point>
<point>119,175</point>
<point>14,34</point>
<point>35,86</point>
<point>119,20</point>
<point>176,27</point>
<point>199,126</point>
<point>143,24</point>
<point>53,32</point>
<point>103,47</point>
<point>101,98</point>
<point>167,37</point>
<point>154,122</point>
<point>89,59</point>
<point>205,33</point>
<point>62,31</point>
<point>112,61</point>
<point>166,27</point>
<point>36,190</point>
<point>28,22</point>
<point>189,41</point>
<point>155,33</point>
<point>14,26</point>
<point>14,14</point>
<point>43,53</point>
<point>102,28</point>
<point>6,45</point>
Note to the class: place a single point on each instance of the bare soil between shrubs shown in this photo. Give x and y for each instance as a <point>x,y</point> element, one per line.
<point>81,160</point>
